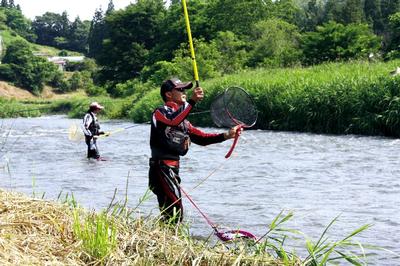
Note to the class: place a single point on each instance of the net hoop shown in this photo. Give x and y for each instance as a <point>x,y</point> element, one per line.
<point>233,107</point>
<point>75,133</point>
<point>232,235</point>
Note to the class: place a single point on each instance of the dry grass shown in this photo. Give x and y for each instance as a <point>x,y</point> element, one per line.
<point>40,232</point>
<point>36,232</point>
<point>9,91</point>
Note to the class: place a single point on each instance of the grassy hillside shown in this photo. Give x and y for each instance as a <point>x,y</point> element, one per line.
<point>10,36</point>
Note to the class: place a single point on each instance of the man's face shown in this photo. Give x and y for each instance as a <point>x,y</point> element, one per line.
<point>178,96</point>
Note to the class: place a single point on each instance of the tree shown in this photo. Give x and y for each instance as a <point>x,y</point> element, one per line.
<point>132,33</point>
<point>97,33</point>
<point>373,15</point>
<point>110,7</point>
<point>238,16</point>
<point>313,13</point>
<point>274,43</point>
<point>394,39</point>
<point>29,71</point>
<point>287,10</point>
<point>353,12</point>
<point>334,42</point>
<point>388,8</point>
<point>4,3</point>
<point>233,52</point>
<point>78,36</point>
<point>17,22</point>
<point>333,11</point>
<point>50,26</point>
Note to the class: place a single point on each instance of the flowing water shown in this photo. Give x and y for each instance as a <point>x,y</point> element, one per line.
<point>318,177</point>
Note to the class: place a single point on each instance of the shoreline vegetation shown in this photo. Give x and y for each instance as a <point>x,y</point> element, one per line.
<point>335,98</point>
<point>37,232</point>
<point>40,232</point>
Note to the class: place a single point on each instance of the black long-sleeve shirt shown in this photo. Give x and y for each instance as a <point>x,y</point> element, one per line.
<point>171,116</point>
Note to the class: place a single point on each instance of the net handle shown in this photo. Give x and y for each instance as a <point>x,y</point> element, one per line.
<point>238,132</point>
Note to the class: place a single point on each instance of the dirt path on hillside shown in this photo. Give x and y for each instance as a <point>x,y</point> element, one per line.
<point>11,92</point>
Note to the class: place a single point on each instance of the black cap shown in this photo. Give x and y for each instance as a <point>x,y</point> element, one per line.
<point>174,83</point>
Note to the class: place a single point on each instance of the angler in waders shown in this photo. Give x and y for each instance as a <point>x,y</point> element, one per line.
<point>91,129</point>
<point>170,137</point>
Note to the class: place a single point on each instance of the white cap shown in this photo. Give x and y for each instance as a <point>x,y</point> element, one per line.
<point>96,105</point>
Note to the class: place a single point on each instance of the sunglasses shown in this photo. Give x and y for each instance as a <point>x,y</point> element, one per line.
<point>179,89</point>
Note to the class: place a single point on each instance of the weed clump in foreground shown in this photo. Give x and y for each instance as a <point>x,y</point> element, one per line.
<point>39,232</point>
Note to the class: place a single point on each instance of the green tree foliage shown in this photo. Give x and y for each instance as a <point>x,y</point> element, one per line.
<point>275,43</point>
<point>28,71</point>
<point>97,33</point>
<point>353,12</point>
<point>110,7</point>
<point>56,30</point>
<point>48,27</point>
<point>78,36</point>
<point>173,31</point>
<point>233,52</point>
<point>334,42</point>
<point>394,42</point>
<point>288,11</point>
<point>4,3</point>
<point>333,11</point>
<point>15,20</point>
<point>373,15</point>
<point>238,16</point>
<point>208,58</point>
<point>389,7</point>
<point>3,19</point>
<point>313,15</point>
<point>132,33</point>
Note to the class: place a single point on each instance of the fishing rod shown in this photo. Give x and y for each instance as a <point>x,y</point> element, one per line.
<point>76,134</point>
<point>106,134</point>
<point>189,33</point>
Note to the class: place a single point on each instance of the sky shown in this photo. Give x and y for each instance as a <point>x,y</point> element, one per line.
<point>83,8</point>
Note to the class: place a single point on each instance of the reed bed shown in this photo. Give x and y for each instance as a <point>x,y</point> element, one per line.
<point>335,98</point>
<point>40,232</point>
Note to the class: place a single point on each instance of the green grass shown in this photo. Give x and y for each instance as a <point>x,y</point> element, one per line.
<point>97,232</point>
<point>335,98</point>
<point>9,36</point>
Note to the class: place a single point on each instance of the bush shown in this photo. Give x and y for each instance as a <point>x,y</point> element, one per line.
<point>85,65</point>
<point>334,42</point>
<point>6,72</point>
<point>29,71</point>
<point>93,90</point>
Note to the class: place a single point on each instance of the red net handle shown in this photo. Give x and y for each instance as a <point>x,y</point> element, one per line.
<point>238,132</point>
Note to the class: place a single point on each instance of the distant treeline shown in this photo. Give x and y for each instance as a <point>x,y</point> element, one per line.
<point>146,42</point>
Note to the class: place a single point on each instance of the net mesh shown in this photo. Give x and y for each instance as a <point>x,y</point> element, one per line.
<point>233,107</point>
<point>74,133</point>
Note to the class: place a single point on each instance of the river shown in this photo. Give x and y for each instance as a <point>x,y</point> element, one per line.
<point>317,177</point>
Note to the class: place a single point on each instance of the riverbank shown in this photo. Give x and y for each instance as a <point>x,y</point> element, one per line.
<point>38,232</point>
<point>336,98</point>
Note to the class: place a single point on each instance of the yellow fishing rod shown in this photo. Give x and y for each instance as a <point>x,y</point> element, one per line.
<point>189,33</point>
